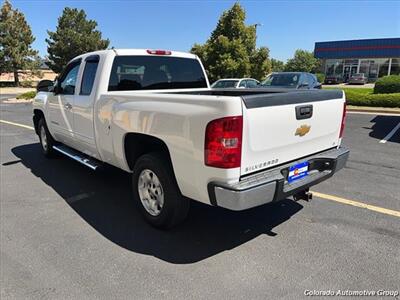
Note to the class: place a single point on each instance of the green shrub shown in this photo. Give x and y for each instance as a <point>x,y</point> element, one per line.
<point>27,95</point>
<point>384,100</point>
<point>365,97</point>
<point>27,83</point>
<point>369,99</point>
<point>320,77</point>
<point>387,85</point>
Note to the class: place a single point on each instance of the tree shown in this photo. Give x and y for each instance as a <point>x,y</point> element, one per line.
<point>231,49</point>
<point>260,64</point>
<point>16,39</point>
<point>74,35</point>
<point>277,65</point>
<point>303,61</point>
<point>319,67</point>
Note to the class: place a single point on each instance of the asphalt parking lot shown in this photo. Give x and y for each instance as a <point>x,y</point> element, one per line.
<point>67,232</point>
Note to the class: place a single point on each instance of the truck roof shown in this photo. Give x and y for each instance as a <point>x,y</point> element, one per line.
<point>140,52</point>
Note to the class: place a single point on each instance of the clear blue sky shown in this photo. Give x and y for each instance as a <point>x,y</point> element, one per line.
<point>177,25</point>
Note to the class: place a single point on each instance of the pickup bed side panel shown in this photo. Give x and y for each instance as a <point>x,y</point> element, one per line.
<point>178,120</point>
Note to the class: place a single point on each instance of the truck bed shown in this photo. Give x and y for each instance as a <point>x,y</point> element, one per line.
<point>261,97</point>
<point>273,123</point>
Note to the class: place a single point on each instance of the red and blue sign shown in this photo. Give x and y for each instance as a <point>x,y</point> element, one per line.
<point>372,48</point>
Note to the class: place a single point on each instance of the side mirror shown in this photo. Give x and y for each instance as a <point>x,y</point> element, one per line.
<point>44,85</point>
<point>57,89</point>
<point>67,90</point>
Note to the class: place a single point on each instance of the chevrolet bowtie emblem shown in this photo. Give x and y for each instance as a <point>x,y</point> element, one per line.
<point>302,130</point>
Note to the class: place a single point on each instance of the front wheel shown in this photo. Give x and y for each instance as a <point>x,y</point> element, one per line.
<point>46,140</point>
<point>156,192</point>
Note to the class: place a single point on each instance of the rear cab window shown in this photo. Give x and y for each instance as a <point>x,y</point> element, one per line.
<point>155,72</point>
<point>358,75</point>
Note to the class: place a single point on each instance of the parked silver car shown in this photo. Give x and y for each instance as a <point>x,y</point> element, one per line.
<point>235,83</point>
<point>358,78</point>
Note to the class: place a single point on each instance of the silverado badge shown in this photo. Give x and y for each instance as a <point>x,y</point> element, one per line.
<point>303,130</point>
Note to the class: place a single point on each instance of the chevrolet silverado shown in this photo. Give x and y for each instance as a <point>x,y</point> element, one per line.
<point>152,113</point>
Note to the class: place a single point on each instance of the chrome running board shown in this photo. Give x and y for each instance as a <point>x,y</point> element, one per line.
<point>78,156</point>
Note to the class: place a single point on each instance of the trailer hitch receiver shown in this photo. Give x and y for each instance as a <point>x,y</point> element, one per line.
<point>305,195</point>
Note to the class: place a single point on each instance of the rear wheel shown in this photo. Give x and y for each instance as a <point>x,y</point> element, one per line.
<point>46,140</point>
<point>156,192</point>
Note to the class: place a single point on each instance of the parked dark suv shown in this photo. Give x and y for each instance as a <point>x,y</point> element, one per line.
<point>296,80</point>
<point>333,79</point>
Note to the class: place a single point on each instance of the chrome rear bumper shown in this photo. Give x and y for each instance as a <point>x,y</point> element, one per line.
<point>272,185</point>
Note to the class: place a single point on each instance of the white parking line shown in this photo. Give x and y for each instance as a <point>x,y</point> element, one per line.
<point>372,113</point>
<point>17,124</point>
<point>379,209</point>
<point>390,134</point>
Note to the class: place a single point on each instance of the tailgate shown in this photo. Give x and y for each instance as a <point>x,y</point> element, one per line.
<point>278,128</point>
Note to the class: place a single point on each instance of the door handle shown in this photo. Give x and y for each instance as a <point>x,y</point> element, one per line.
<point>304,112</point>
<point>67,106</point>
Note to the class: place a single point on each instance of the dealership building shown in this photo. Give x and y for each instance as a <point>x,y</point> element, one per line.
<point>373,57</point>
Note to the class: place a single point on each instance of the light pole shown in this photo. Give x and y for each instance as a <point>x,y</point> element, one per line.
<point>255,27</point>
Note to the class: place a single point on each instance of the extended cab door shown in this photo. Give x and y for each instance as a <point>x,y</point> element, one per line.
<point>61,103</point>
<point>83,107</point>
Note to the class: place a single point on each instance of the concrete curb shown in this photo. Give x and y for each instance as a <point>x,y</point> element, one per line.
<point>367,109</point>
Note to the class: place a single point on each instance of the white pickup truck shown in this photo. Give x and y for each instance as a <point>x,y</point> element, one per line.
<point>153,114</point>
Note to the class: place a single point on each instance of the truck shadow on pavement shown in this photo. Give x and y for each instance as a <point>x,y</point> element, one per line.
<point>104,201</point>
<point>383,125</point>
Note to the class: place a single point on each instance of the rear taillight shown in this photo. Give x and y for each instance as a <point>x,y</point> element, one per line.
<point>159,52</point>
<point>343,121</point>
<point>223,143</point>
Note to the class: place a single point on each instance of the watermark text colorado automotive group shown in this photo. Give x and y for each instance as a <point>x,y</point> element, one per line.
<point>353,293</point>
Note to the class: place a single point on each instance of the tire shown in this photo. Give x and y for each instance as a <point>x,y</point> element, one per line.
<point>156,192</point>
<point>46,140</point>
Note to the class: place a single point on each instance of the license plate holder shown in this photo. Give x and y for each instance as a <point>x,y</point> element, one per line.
<point>298,171</point>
